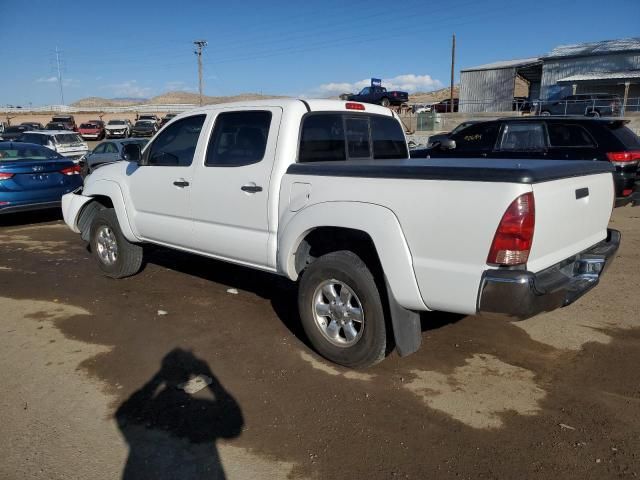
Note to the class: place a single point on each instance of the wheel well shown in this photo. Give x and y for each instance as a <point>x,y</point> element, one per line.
<point>323,240</point>
<point>85,218</point>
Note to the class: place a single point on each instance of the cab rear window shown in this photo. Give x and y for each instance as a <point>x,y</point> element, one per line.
<point>337,136</point>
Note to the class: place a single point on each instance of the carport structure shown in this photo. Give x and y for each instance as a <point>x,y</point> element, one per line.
<point>491,87</point>
<point>589,82</point>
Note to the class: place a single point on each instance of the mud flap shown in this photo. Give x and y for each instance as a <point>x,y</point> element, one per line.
<point>406,326</point>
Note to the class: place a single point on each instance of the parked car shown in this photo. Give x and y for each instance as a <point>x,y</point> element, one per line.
<point>151,118</point>
<point>67,120</point>
<point>438,138</point>
<point>167,118</point>
<point>33,125</point>
<point>379,96</point>
<point>91,131</point>
<point>118,129</point>
<point>12,132</point>
<point>109,151</point>
<point>549,138</point>
<point>66,143</point>
<point>294,188</point>
<point>445,106</point>
<point>143,128</point>
<point>33,177</point>
<point>589,104</point>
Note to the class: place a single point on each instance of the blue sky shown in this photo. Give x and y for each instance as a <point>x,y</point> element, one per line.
<point>312,48</point>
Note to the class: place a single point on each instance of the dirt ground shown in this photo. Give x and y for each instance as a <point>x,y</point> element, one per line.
<point>90,370</point>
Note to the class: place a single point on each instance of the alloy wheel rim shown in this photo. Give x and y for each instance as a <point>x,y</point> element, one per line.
<point>338,313</point>
<point>107,245</point>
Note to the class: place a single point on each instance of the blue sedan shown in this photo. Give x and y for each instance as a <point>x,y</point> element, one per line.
<point>109,151</point>
<point>33,177</point>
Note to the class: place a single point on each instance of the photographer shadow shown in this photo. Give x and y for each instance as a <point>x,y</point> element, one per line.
<point>173,434</point>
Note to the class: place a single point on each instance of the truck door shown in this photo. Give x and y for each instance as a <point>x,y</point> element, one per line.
<point>230,195</point>
<point>160,187</point>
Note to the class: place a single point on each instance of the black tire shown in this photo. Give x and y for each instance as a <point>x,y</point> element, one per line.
<point>347,268</point>
<point>385,102</point>
<point>594,113</point>
<point>545,113</point>
<point>128,259</point>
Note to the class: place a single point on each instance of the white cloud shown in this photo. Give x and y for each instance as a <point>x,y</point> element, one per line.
<point>129,88</point>
<point>47,79</point>
<point>66,82</point>
<point>409,83</point>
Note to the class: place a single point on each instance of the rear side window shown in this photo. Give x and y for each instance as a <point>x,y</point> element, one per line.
<point>336,137</point>
<point>629,139</point>
<point>176,145</point>
<point>522,136</point>
<point>31,138</point>
<point>239,138</point>
<point>480,137</point>
<point>562,135</point>
<point>63,138</point>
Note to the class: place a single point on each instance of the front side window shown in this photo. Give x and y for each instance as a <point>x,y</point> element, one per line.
<point>523,136</point>
<point>479,137</point>
<point>110,148</point>
<point>176,145</point>
<point>365,91</point>
<point>238,138</point>
<point>561,135</point>
<point>100,148</point>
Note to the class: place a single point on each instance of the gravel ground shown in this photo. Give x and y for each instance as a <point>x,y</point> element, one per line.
<point>94,370</point>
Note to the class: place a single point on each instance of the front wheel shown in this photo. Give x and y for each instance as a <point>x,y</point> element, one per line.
<point>341,310</point>
<point>385,102</point>
<point>116,256</point>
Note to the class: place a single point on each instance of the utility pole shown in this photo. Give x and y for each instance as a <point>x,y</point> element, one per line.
<point>453,62</point>
<point>200,44</point>
<point>59,75</point>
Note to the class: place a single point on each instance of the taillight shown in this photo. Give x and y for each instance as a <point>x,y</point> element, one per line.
<point>354,106</point>
<point>75,170</point>
<point>6,176</point>
<point>624,158</point>
<point>514,236</point>
<point>627,191</point>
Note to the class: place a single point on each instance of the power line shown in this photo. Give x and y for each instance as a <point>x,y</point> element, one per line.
<point>59,75</point>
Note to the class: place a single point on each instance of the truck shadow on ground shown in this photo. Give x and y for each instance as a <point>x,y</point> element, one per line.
<point>279,291</point>
<point>173,434</point>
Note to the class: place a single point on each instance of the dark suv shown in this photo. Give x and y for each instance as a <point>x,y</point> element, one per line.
<point>549,138</point>
<point>589,104</point>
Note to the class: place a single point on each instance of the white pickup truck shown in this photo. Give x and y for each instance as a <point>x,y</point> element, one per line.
<point>323,192</point>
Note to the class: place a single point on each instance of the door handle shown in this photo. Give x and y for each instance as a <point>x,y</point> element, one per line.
<point>181,183</point>
<point>251,188</point>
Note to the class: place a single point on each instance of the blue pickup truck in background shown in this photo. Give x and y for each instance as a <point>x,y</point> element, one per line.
<point>380,96</point>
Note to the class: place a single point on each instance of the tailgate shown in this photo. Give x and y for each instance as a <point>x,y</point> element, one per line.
<point>572,214</point>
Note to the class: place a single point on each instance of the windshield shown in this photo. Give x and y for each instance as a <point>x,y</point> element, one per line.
<point>116,122</point>
<point>15,152</point>
<point>88,125</point>
<point>68,138</point>
<point>61,119</point>
<point>21,128</point>
<point>145,124</point>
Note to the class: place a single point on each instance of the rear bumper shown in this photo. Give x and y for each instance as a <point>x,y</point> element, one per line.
<point>28,207</point>
<point>517,294</point>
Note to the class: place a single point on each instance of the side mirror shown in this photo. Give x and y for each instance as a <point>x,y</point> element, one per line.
<point>447,144</point>
<point>132,152</point>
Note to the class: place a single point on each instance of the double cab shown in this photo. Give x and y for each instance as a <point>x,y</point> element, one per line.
<point>322,192</point>
<point>380,95</point>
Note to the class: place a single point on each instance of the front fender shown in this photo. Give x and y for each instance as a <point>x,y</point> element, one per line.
<point>378,222</point>
<point>109,188</point>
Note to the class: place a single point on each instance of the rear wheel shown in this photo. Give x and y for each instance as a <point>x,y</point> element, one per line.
<point>545,113</point>
<point>593,113</point>
<point>116,256</point>
<point>341,310</point>
<point>385,102</point>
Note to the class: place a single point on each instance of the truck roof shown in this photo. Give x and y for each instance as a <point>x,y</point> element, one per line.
<point>312,105</point>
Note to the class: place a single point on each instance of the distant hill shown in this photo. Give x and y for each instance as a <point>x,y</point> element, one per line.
<point>167,98</point>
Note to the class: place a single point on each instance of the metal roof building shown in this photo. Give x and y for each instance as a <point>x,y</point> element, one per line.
<point>491,87</point>
<point>610,66</point>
